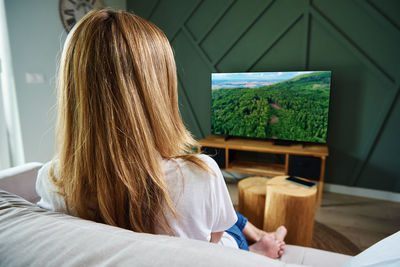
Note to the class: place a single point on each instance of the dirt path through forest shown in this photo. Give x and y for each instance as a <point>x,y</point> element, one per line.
<point>274,118</point>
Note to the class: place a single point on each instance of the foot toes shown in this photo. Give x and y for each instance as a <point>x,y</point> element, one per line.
<point>281,232</point>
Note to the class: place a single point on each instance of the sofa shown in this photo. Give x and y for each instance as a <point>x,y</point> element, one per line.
<point>31,236</point>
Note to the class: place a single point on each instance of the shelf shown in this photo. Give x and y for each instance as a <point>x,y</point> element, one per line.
<point>257,168</point>
<point>228,149</point>
<point>313,150</point>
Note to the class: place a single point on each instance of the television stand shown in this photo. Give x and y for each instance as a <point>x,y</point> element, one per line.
<point>282,142</point>
<point>263,157</point>
<point>227,137</point>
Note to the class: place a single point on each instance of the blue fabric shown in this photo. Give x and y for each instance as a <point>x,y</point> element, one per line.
<point>236,231</point>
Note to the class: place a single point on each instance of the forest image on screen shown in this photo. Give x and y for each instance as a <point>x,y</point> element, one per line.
<point>279,105</point>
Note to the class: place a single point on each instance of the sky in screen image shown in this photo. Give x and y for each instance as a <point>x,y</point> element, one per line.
<point>251,79</point>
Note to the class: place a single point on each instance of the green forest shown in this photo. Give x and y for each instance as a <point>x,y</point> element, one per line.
<point>294,109</point>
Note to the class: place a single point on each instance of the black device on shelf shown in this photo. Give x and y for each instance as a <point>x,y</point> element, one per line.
<point>301,181</point>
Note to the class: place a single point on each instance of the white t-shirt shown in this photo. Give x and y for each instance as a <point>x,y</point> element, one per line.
<point>201,199</point>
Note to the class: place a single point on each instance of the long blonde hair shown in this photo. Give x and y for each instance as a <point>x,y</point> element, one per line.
<point>118,118</point>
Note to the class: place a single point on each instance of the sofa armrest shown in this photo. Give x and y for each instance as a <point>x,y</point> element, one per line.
<point>21,180</point>
<point>383,253</point>
<point>313,257</point>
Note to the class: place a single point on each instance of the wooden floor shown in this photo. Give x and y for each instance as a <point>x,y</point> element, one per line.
<point>364,221</point>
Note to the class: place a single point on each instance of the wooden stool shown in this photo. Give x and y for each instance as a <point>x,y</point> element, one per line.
<point>293,206</point>
<point>252,199</point>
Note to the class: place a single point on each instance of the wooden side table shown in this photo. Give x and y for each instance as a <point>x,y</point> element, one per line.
<point>269,203</point>
<point>252,199</point>
<point>290,205</point>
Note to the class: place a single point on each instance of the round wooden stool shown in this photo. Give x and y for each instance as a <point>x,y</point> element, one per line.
<point>293,206</point>
<point>252,199</point>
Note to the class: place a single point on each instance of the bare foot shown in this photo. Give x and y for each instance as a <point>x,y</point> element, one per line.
<point>268,246</point>
<point>280,233</point>
<point>281,249</point>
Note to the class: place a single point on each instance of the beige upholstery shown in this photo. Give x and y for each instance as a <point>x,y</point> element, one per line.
<point>31,236</point>
<point>21,180</point>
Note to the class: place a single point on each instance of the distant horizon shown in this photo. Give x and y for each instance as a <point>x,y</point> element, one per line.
<point>252,79</point>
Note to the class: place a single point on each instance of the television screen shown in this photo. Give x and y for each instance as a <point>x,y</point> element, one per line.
<point>277,105</point>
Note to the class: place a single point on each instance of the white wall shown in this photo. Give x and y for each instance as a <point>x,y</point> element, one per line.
<point>4,147</point>
<point>11,148</point>
<point>36,36</point>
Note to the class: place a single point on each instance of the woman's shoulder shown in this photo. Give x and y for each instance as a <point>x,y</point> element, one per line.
<point>208,160</point>
<point>47,190</point>
<point>182,167</point>
<point>190,165</point>
<point>43,181</point>
<point>45,167</point>
<point>44,171</point>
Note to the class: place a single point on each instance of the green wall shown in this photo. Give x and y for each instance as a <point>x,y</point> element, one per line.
<point>358,40</point>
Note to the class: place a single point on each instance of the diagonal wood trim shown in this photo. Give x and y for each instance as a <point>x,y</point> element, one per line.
<point>307,17</point>
<point>217,22</point>
<point>287,29</point>
<point>196,120</point>
<point>153,9</point>
<point>357,174</point>
<point>217,61</point>
<point>187,19</point>
<point>380,12</point>
<point>200,51</point>
<point>213,22</point>
<point>371,144</point>
<point>193,11</point>
<point>196,6</point>
<point>351,44</point>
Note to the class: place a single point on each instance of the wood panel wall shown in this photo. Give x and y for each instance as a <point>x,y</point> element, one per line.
<point>358,40</point>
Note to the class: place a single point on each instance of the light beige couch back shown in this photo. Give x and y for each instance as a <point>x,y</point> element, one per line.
<point>31,236</point>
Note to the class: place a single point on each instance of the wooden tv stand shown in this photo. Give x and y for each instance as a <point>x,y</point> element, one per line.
<point>234,164</point>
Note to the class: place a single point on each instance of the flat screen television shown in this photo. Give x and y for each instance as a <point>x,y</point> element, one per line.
<point>290,106</point>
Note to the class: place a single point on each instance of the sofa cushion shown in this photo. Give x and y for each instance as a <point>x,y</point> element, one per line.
<point>21,180</point>
<point>384,253</point>
<point>313,257</point>
<point>31,236</point>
